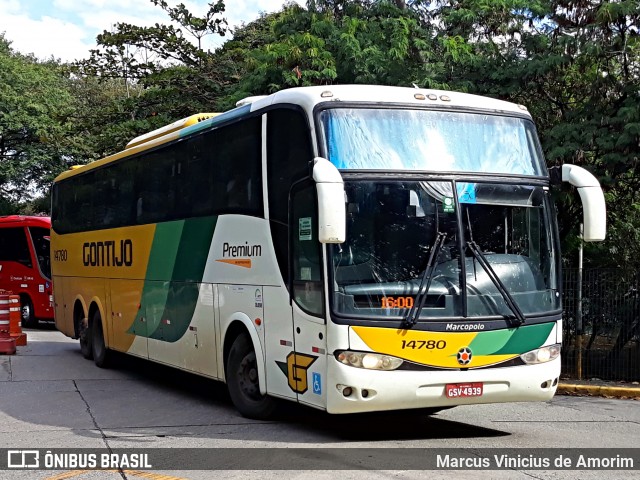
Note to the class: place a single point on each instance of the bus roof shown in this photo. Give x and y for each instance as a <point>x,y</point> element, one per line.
<point>172,127</point>
<point>29,220</point>
<point>308,98</point>
<point>384,95</point>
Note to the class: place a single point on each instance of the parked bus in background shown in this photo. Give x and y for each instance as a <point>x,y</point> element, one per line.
<point>25,268</point>
<point>351,248</point>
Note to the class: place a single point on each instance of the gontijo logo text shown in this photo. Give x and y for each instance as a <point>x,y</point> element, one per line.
<point>110,253</point>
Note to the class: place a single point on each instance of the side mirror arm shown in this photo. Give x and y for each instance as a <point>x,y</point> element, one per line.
<point>593,204</point>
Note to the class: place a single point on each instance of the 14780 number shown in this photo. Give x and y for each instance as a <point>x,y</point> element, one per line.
<point>426,344</point>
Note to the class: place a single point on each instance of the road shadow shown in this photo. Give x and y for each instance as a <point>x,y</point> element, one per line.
<point>412,424</point>
<point>206,409</point>
<point>42,325</point>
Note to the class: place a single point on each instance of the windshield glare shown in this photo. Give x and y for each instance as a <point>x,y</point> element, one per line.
<point>429,140</point>
<point>392,226</point>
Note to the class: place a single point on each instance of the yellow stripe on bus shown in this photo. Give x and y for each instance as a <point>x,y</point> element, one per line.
<point>112,253</point>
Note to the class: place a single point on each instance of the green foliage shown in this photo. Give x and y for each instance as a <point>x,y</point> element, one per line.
<point>575,64</point>
<point>341,42</point>
<point>166,73</point>
<point>35,106</point>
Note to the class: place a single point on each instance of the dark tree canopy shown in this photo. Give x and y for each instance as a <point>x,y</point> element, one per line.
<point>575,64</point>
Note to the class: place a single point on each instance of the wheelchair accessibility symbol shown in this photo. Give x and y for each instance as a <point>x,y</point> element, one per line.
<point>317,384</point>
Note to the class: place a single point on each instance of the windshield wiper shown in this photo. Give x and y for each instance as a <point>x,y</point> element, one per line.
<point>493,276</point>
<point>421,297</point>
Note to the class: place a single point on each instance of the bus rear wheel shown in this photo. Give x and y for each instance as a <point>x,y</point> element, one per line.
<point>242,381</point>
<point>84,334</point>
<point>101,354</point>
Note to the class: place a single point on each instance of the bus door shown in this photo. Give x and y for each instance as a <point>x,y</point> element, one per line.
<point>43,300</point>
<point>18,271</point>
<point>309,365</point>
<point>278,340</point>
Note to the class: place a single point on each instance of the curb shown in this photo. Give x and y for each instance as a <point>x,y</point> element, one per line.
<point>597,390</point>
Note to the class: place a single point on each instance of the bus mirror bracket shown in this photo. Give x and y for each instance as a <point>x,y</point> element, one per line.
<point>593,204</point>
<point>332,220</point>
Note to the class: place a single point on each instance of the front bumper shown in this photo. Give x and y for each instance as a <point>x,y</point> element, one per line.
<point>373,390</point>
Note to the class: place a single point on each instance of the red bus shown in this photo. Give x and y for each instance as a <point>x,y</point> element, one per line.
<point>25,267</point>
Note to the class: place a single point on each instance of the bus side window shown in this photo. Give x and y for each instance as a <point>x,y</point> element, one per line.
<point>238,190</point>
<point>289,151</point>
<point>14,246</point>
<point>306,251</point>
<point>41,245</point>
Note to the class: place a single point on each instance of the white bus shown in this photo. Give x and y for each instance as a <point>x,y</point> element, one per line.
<point>351,248</point>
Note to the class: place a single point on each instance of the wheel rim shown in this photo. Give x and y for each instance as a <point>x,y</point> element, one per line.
<point>26,312</point>
<point>248,377</point>
<point>83,333</point>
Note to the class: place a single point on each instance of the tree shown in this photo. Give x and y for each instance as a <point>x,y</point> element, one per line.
<point>576,65</point>
<point>35,105</point>
<point>332,41</point>
<point>174,75</point>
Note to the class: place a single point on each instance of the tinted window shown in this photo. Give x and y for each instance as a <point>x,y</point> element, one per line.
<point>288,155</point>
<point>14,247</point>
<point>213,173</point>
<point>306,266</point>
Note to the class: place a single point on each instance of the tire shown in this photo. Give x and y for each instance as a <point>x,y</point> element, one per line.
<point>28,318</point>
<point>84,334</point>
<point>100,352</point>
<point>242,381</point>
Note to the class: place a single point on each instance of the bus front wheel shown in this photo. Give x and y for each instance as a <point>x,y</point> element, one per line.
<point>242,381</point>
<point>28,317</point>
<point>98,348</point>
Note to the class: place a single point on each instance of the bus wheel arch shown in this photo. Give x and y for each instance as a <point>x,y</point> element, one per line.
<point>245,373</point>
<point>28,318</point>
<point>82,329</point>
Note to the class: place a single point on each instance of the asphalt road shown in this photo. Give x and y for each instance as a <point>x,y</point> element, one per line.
<point>50,397</point>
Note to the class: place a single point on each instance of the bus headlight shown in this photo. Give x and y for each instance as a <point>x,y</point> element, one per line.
<point>541,355</point>
<point>368,360</point>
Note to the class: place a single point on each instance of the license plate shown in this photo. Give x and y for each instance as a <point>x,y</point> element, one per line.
<point>461,390</point>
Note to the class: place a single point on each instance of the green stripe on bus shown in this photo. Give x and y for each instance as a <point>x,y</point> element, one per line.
<point>526,338</point>
<point>176,267</point>
<point>191,261</point>
<point>486,343</point>
<point>513,341</point>
<point>193,251</point>
<point>164,249</point>
<point>162,258</point>
<point>182,299</point>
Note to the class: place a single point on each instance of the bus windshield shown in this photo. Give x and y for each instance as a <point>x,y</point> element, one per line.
<point>430,140</point>
<point>392,227</point>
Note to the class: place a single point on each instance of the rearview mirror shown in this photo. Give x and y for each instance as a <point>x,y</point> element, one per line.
<point>332,218</point>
